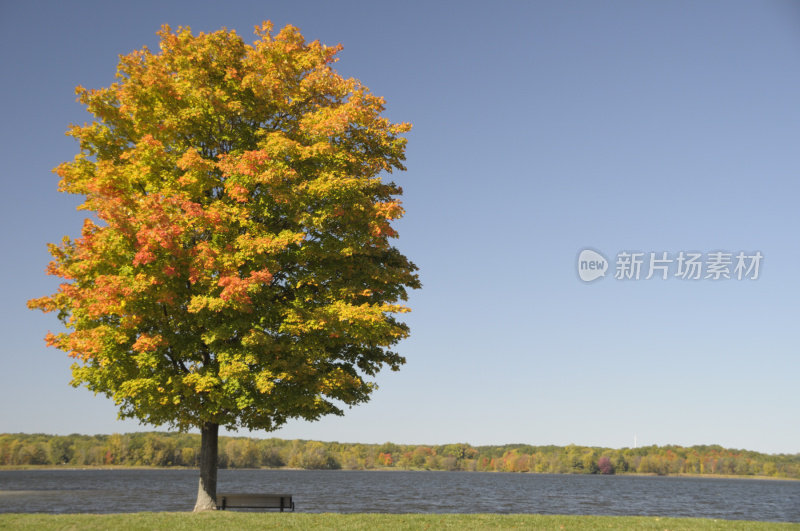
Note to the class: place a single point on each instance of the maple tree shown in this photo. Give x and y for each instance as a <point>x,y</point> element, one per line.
<point>237,268</point>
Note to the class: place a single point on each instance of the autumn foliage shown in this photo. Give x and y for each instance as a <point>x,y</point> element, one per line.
<point>237,265</point>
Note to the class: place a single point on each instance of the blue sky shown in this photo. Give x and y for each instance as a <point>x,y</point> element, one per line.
<point>540,129</point>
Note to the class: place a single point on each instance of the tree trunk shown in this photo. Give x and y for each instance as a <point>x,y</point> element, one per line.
<point>207,491</point>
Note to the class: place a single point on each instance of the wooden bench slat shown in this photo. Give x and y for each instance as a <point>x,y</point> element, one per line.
<point>254,501</point>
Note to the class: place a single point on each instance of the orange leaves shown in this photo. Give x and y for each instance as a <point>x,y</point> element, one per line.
<point>83,344</point>
<point>143,256</point>
<point>238,192</point>
<point>382,229</point>
<point>383,213</point>
<point>148,343</point>
<point>260,277</point>
<point>107,296</point>
<point>249,163</point>
<point>149,141</point>
<point>45,304</point>
<point>235,288</point>
<point>235,294</point>
<point>51,339</point>
<point>191,159</point>
<point>204,258</point>
<point>389,210</point>
<point>165,223</point>
<point>231,74</point>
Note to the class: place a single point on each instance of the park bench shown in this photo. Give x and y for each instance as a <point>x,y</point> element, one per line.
<point>255,501</point>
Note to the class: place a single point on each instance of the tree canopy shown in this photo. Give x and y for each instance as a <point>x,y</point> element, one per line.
<point>237,268</point>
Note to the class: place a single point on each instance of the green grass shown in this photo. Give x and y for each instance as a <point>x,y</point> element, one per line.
<point>232,520</point>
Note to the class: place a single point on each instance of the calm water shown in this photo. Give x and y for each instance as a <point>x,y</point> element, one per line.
<point>105,491</point>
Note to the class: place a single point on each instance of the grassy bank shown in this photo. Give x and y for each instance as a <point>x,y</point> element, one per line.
<point>231,520</point>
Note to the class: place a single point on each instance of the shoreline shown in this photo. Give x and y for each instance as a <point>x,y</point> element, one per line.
<point>386,469</point>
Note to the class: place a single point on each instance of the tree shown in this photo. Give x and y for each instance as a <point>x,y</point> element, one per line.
<point>237,270</point>
<point>604,465</point>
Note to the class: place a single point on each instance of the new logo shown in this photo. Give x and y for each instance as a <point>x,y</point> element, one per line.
<point>591,265</point>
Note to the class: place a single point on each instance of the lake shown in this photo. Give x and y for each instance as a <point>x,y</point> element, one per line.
<point>111,491</point>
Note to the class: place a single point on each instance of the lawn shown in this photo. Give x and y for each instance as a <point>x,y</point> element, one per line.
<point>244,520</point>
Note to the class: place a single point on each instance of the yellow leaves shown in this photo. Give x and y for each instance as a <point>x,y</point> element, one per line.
<point>338,380</point>
<point>231,366</point>
<point>252,246</point>
<point>199,303</point>
<point>232,74</point>
<point>264,382</point>
<point>146,360</point>
<point>327,122</point>
<point>389,210</point>
<point>363,314</point>
<point>201,383</point>
<point>191,159</point>
<point>280,145</point>
<point>365,322</point>
<point>297,324</point>
<point>75,175</point>
<point>134,387</point>
<point>264,30</point>
<point>256,338</point>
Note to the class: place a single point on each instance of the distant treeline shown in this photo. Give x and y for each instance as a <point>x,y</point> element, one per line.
<point>181,449</point>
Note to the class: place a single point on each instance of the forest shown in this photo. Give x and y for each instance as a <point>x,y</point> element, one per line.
<point>163,449</point>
